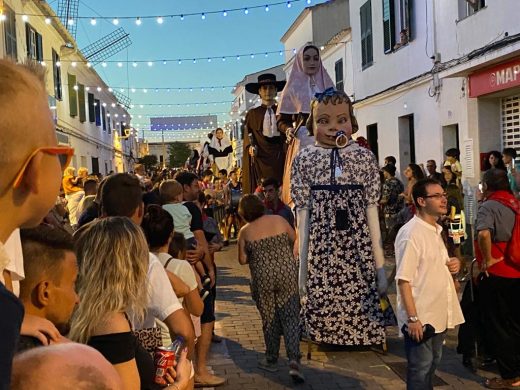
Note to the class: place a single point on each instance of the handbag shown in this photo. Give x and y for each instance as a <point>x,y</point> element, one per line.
<point>149,338</point>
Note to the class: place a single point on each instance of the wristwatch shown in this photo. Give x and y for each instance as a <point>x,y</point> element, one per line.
<point>413,319</point>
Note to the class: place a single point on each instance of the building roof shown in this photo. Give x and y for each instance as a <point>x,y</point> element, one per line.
<point>300,18</point>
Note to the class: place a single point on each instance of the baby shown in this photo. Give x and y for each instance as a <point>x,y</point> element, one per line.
<point>171,197</point>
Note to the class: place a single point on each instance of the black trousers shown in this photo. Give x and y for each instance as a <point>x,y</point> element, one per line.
<point>501,318</point>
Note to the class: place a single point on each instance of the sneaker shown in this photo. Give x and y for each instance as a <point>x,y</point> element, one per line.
<point>266,365</point>
<point>204,294</point>
<point>295,373</point>
<point>206,281</point>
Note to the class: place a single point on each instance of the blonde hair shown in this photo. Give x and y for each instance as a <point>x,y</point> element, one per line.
<point>169,190</point>
<point>82,170</point>
<point>69,171</point>
<point>336,97</point>
<point>113,268</point>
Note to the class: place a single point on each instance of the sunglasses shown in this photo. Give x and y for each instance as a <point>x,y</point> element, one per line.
<point>64,154</point>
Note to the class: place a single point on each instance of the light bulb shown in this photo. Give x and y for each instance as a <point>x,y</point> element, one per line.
<point>74,64</point>
<point>266,8</point>
<point>203,16</point>
<point>93,21</point>
<point>104,64</point>
<point>48,20</point>
<point>138,21</point>
<point>246,11</point>
<point>58,64</point>
<point>134,64</point>
<point>70,22</point>
<point>120,64</point>
<point>288,4</point>
<point>224,13</point>
<point>25,18</point>
<point>150,63</point>
<point>115,21</point>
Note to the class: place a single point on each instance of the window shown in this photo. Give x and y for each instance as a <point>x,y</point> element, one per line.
<point>109,123</point>
<point>397,24</point>
<point>56,73</point>
<point>81,102</point>
<point>34,43</point>
<point>338,71</point>
<point>97,110</point>
<point>469,7</point>
<point>10,33</point>
<point>366,34</point>
<point>91,108</point>
<point>73,95</point>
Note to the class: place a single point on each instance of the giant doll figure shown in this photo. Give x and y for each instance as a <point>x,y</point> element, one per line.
<point>335,188</point>
<point>264,145</point>
<point>308,76</point>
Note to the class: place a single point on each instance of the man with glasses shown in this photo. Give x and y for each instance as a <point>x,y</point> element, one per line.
<point>427,303</point>
<point>31,163</point>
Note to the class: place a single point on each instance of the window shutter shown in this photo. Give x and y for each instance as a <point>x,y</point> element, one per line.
<point>39,47</point>
<point>28,39</point>
<point>104,116</point>
<point>338,70</point>
<point>81,102</point>
<point>97,106</point>
<point>91,109</point>
<point>388,25</point>
<point>73,96</point>
<point>366,33</point>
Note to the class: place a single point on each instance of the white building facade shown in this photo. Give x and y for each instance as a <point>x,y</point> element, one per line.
<point>87,114</point>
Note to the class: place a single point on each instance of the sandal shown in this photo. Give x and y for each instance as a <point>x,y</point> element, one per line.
<point>499,383</point>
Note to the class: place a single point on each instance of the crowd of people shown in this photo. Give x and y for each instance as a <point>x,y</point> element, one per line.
<point>124,264</point>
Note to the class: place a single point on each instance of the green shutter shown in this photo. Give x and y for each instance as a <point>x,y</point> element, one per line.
<point>73,95</point>
<point>388,25</point>
<point>81,102</point>
<point>366,33</point>
<point>91,109</point>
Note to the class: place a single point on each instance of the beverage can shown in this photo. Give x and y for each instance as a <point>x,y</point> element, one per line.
<point>163,358</point>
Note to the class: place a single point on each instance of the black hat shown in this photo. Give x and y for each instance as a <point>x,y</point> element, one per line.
<point>265,79</point>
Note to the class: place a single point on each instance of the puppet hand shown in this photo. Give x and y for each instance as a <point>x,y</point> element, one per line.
<point>289,133</point>
<point>382,283</point>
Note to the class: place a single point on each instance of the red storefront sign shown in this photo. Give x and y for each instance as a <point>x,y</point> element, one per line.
<point>497,78</point>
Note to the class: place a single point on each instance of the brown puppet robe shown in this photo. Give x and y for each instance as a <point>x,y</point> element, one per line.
<point>270,158</point>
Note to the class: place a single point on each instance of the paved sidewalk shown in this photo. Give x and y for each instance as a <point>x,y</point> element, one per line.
<point>236,357</point>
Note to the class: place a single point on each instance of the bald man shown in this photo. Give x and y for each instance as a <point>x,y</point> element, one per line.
<point>64,367</point>
<point>29,179</point>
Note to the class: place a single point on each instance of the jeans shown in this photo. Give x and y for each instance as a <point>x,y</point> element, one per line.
<point>422,361</point>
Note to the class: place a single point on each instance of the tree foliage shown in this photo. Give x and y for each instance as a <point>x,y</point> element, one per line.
<point>179,153</point>
<point>150,161</point>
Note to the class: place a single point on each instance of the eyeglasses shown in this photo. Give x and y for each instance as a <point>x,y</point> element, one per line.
<point>64,154</point>
<point>437,196</point>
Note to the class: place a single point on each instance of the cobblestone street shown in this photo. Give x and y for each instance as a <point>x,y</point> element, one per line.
<point>238,322</point>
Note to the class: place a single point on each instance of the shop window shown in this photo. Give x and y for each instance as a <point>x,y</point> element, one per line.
<point>366,34</point>
<point>10,33</point>
<point>338,71</point>
<point>470,7</point>
<point>56,73</point>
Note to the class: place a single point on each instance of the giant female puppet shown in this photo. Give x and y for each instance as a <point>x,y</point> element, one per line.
<point>335,188</point>
<point>308,76</point>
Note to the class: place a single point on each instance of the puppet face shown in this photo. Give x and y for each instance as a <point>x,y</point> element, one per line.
<point>267,92</point>
<point>331,118</point>
<point>219,133</point>
<point>311,61</point>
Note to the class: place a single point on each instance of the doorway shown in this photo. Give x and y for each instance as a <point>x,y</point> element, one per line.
<point>372,139</point>
<point>450,137</point>
<point>406,141</point>
<point>95,165</point>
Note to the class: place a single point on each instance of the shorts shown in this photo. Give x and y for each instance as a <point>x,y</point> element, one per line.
<point>208,314</point>
<point>232,210</point>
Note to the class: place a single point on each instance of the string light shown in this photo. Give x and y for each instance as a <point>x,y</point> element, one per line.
<point>160,20</point>
<point>138,21</point>
<point>25,18</point>
<point>48,21</point>
<point>115,21</point>
<point>246,11</point>
<point>93,21</point>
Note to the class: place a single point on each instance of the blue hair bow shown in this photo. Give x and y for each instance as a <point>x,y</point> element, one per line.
<point>328,92</point>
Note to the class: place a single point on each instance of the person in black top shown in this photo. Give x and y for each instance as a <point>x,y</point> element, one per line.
<point>112,284</point>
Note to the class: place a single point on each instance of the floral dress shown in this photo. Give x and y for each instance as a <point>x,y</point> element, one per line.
<point>337,185</point>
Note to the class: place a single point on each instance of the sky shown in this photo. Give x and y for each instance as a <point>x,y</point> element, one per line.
<point>194,37</point>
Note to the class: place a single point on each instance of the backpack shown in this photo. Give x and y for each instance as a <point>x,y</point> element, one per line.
<point>512,251</point>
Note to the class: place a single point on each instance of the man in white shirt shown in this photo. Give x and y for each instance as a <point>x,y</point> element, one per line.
<point>426,292</point>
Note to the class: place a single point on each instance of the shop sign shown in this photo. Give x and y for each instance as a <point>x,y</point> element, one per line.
<point>497,78</point>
